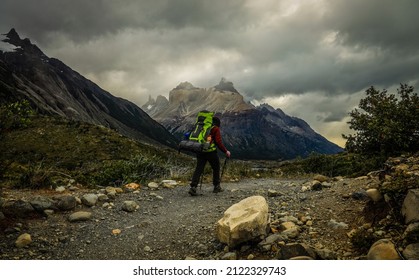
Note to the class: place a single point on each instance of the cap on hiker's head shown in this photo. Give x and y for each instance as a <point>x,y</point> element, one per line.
<point>216,121</point>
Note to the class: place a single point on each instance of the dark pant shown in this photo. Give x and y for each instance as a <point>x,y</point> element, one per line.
<point>201,160</point>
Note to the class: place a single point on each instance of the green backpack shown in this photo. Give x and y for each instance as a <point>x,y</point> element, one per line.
<point>199,140</point>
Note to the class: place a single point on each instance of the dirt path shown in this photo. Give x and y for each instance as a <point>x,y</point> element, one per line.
<point>169,224</point>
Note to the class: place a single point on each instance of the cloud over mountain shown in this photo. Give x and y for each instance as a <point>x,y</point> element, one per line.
<point>272,49</point>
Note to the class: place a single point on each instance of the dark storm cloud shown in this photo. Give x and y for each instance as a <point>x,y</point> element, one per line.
<point>280,51</point>
<point>311,52</point>
<point>81,20</point>
<point>343,48</point>
<point>385,24</point>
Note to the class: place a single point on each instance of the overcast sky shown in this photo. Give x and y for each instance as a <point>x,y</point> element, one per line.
<point>314,59</point>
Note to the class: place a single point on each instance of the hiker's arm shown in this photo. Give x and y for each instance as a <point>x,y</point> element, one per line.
<point>217,139</point>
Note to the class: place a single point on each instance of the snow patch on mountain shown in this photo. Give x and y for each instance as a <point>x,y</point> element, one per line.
<point>6,46</point>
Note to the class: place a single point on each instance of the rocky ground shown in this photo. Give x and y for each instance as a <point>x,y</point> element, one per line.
<point>167,223</point>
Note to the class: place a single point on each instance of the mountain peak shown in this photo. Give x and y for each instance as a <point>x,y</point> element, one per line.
<point>225,85</point>
<point>12,37</point>
<point>185,85</point>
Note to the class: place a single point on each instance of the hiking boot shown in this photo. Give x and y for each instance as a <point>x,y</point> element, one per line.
<point>217,189</point>
<point>192,191</point>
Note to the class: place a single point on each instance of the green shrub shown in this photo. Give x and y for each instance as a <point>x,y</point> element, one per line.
<point>139,169</point>
<point>35,177</point>
<point>15,115</point>
<point>385,124</point>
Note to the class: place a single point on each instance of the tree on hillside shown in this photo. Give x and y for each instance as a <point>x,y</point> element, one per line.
<point>385,123</point>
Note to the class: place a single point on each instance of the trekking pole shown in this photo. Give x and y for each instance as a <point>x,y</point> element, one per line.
<point>200,184</point>
<point>222,171</point>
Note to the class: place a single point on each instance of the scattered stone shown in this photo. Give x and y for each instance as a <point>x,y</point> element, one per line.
<point>288,225</point>
<point>66,203</point>
<point>291,233</point>
<point>102,197</point>
<point>250,257</point>
<point>111,195</point>
<point>337,225</point>
<point>119,190</point>
<point>41,203</point>
<point>73,188</point>
<point>168,184</point>
<point>106,205</point>
<point>130,206</point>
<point>411,233</point>
<point>49,212</point>
<point>153,185</point>
<point>326,254</point>
<point>383,249</point>
<point>60,189</point>
<point>132,186</point>
<point>89,199</point>
<point>301,258</point>
<point>116,231</point>
<point>411,252</point>
<point>80,216</point>
<point>23,240</point>
<point>274,193</point>
<point>110,190</point>
<point>18,209</point>
<point>316,186</point>
<point>147,249</point>
<point>327,185</point>
<point>293,250</point>
<point>288,219</point>
<point>156,196</point>
<point>410,208</point>
<point>360,195</point>
<point>305,188</point>
<point>229,256</point>
<point>375,195</point>
<point>321,178</point>
<point>272,239</point>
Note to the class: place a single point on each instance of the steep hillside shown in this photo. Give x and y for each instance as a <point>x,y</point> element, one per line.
<point>52,148</point>
<point>54,88</point>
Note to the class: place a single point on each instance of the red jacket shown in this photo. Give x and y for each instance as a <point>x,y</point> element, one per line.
<point>216,137</point>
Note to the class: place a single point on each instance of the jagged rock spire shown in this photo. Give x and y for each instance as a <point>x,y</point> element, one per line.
<point>225,85</point>
<point>12,34</point>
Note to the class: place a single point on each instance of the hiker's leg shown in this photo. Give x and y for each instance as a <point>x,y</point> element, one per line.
<point>214,161</point>
<point>199,169</point>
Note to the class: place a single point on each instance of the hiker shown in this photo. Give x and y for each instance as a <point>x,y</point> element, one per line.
<point>211,156</point>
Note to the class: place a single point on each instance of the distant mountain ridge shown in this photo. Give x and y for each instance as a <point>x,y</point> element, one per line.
<point>250,132</point>
<point>54,88</point>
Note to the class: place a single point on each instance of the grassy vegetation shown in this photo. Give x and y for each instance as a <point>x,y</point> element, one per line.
<point>342,164</point>
<point>52,149</point>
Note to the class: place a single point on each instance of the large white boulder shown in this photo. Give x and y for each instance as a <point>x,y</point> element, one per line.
<point>244,221</point>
